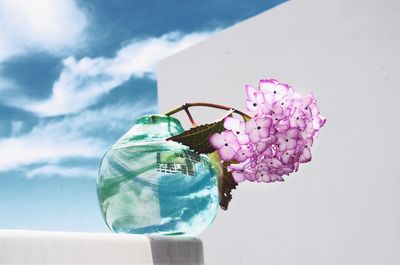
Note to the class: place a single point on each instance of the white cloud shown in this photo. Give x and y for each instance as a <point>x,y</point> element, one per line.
<point>39,147</point>
<point>70,137</point>
<point>70,172</point>
<point>83,81</point>
<point>16,127</point>
<point>42,25</point>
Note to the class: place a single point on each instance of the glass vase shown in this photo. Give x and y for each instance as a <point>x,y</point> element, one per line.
<point>147,185</point>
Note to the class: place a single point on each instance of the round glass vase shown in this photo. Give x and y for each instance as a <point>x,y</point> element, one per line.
<point>148,185</point>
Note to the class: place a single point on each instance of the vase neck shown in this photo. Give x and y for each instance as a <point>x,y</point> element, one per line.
<point>150,128</point>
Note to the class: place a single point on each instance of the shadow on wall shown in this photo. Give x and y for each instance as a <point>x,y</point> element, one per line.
<point>167,250</point>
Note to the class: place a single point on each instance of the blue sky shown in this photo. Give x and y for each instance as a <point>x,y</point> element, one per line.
<point>74,75</point>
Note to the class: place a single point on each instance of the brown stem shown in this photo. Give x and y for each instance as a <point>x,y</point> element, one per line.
<point>186,108</point>
<point>202,104</point>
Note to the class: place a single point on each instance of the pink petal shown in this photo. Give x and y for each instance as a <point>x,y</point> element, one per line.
<point>261,147</point>
<point>296,166</point>
<point>307,100</point>
<point>261,109</point>
<point>276,177</point>
<point>281,137</point>
<point>270,140</point>
<point>306,156</point>
<point>242,127</point>
<point>242,138</point>
<point>278,117</point>
<point>308,107</point>
<point>282,89</point>
<point>263,177</point>
<point>267,86</point>
<point>236,167</point>
<point>232,124</point>
<point>265,108</point>
<point>307,112</point>
<point>250,126</point>
<point>293,133</point>
<point>216,140</point>
<point>277,109</point>
<point>238,176</point>
<point>276,162</point>
<point>282,146</point>
<point>269,152</point>
<point>262,166</point>
<point>301,123</point>
<point>250,176</point>
<point>229,136</point>
<point>291,144</point>
<point>287,112</point>
<point>226,153</point>
<point>285,103</point>
<point>265,122</point>
<point>264,132</point>
<point>273,177</point>
<point>282,126</point>
<point>308,143</point>
<point>322,121</point>
<point>314,109</point>
<point>287,156</point>
<point>235,145</point>
<point>250,91</point>
<point>241,156</point>
<point>250,105</point>
<point>259,98</point>
<point>287,169</point>
<point>254,136</point>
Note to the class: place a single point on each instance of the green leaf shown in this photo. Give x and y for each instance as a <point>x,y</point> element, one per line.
<point>226,183</point>
<point>197,138</point>
<point>245,118</point>
<point>216,164</point>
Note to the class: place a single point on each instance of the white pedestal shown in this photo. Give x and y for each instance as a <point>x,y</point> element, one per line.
<point>35,247</point>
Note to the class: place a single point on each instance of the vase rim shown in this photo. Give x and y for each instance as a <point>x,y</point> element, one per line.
<point>156,118</point>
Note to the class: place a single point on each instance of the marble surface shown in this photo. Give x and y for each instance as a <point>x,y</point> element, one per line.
<point>38,247</point>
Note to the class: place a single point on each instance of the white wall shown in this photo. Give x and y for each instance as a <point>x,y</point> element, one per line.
<point>343,207</point>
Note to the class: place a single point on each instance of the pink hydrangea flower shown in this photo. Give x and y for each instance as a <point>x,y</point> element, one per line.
<point>288,140</point>
<point>226,144</point>
<point>258,129</point>
<point>279,136</point>
<point>298,119</point>
<point>238,127</point>
<point>255,101</point>
<point>241,173</point>
<point>274,91</point>
<point>245,152</point>
<point>305,154</point>
<point>263,176</point>
<point>288,156</point>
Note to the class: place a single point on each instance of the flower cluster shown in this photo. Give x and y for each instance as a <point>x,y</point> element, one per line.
<point>276,139</point>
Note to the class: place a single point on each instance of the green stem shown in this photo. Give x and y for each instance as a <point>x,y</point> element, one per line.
<point>186,107</point>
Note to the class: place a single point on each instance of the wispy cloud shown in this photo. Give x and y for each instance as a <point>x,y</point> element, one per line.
<point>63,171</point>
<point>42,25</point>
<point>82,82</point>
<point>74,136</point>
<point>67,129</point>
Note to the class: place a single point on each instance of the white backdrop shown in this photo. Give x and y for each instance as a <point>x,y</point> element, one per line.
<point>343,207</point>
